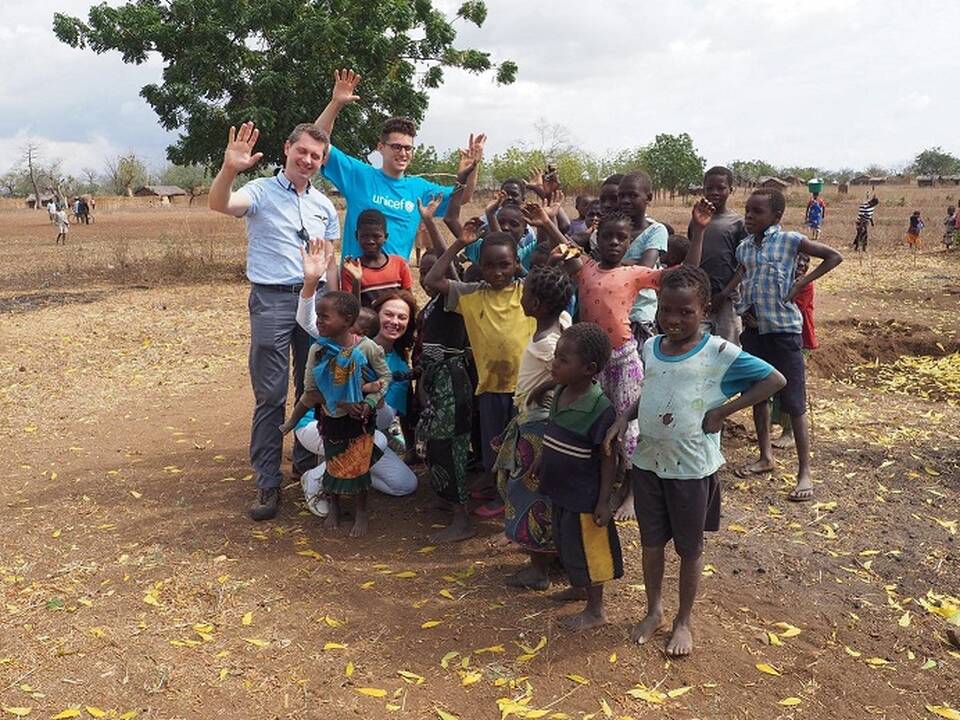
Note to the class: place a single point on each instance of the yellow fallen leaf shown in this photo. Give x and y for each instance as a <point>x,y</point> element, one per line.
<point>372,692</point>
<point>331,622</point>
<point>677,692</point>
<point>579,679</point>
<point>367,585</point>
<point>222,675</point>
<point>447,594</point>
<point>95,711</point>
<point>410,677</point>
<point>334,646</point>
<point>612,658</point>
<point>427,549</point>
<point>56,533</point>
<point>18,711</point>
<point>537,648</point>
<point>851,652</point>
<point>790,701</point>
<point>129,715</point>
<point>348,670</point>
<point>445,660</point>
<point>789,630</point>
<point>651,696</point>
<point>430,624</point>
<point>151,599</point>
<point>737,528</point>
<point>876,662</point>
<point>444,715</point>
<point>310,554</point>
<point>406,574</point>
<point>136,495</point>
<point>258,642</point>
<point>768,669</point>
<point>247,618</point>
<point>944,712</point>
<point>66,714</point>
<point>774,639</point>
<point>491,649</point>
<point>470,678</point>
<point>605,706</point>
<point>929,665</point>
<point>904,620</point>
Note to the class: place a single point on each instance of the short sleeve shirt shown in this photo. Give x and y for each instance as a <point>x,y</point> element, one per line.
<point>770,267</point>
<point>498,329</point>
<point>394,274</point>
<point>573,449</point>
<point>718,258</point>
<point>366,187</point>
<point>398,392</point>
<point>654,237</point>
<point>274,218</point>
<point>605,297</point>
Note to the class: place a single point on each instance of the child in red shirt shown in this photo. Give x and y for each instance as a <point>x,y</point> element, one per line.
<point>376,271</point>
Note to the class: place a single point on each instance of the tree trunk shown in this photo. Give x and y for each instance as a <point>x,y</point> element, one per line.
<point>33,179</point>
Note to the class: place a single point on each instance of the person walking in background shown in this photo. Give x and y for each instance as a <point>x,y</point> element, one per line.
<point>816,212</point>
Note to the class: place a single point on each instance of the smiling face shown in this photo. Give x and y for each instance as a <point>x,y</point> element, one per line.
<point>371,238</point>
<point>397,151</point>
<point>759,214</point>
<point>613,240</point>
<point>394,319</point>
<point>680,310</point>
<point>498,265</point>
<point>304,158</point>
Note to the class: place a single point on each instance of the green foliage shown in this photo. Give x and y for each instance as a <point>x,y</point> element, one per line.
<point>426,161</point>
<point>752,170</point>
<point>125,174</point>
<point>272,62</point>
<point>673,163</point>
<point>936,161</point>
<point>192,178</point>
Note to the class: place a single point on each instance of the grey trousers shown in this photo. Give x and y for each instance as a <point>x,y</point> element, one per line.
<point>725,322</point>
<point>274,336</point>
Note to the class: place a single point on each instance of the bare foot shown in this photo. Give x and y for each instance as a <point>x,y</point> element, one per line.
<point>785,441</point>
<point>332,521</point>
<point>529,578</point>
<point>680,643</point>
<point>455,533</point>
<point>360,524</point>
<point>438,503</point>
<point>647,628</point>
<point>584,621</point>
<point>571,594</point>
<point>755,468</point>
<point>626,511</point>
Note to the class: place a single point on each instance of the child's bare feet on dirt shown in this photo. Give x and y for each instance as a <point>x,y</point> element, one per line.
<point>785,441</point>
<point>360,524</point>
<point>584,621</point>
<point>647,628</point>
<point>626,511</point>
<point>571,594</point>
<point>460,529</point>
<point>680,643</point>
<point>332,521</point>
<point>755,468</point>
<point>529,578</point>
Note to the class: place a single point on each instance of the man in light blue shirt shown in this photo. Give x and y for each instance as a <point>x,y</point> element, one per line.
<point>283,213</point>
<point>388,189</point>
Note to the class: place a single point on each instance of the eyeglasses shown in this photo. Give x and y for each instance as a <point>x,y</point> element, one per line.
<point>400,147</point>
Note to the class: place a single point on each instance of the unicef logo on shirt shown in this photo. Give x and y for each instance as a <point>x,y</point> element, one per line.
<point>405,205</point>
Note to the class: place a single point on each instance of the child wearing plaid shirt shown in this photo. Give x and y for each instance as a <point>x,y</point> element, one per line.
<point>772,322</point>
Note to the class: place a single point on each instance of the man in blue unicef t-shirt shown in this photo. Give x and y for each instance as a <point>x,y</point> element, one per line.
<point>387,189</point>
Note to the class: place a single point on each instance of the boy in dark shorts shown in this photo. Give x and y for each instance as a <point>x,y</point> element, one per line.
<point>773,324</point>
<point>719,255</point>
<point>576,475</point>
<point>690,377</point>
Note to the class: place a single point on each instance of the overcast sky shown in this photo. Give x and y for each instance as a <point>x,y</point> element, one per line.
<point>834,83</point>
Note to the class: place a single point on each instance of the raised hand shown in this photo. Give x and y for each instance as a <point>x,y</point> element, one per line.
<point>556,202</point>
<point>239,156</point>
<point>471,157</point>
<point>345,86</point>
<point>353,268</point>
<point>430,209</point>
<point>536,215</point>
<point>316,257</point>
<point>551,182</point>
<point>702,212</point>
<point>498,200</point>
<point>535,182</point>
<point>471,231</point>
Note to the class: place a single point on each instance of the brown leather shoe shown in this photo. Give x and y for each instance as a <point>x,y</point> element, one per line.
<point>266,505</point>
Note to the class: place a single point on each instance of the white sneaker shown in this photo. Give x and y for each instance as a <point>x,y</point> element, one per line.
<point>312,484</point>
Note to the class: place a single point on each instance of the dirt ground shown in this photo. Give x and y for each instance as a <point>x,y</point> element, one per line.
<point>134,585</point>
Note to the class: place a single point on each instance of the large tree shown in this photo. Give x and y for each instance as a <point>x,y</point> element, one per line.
<point>673,162</point>
<point>271,61</point>
<point>935,161</point>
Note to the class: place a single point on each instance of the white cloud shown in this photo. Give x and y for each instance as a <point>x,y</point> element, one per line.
<point>826,82</point>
